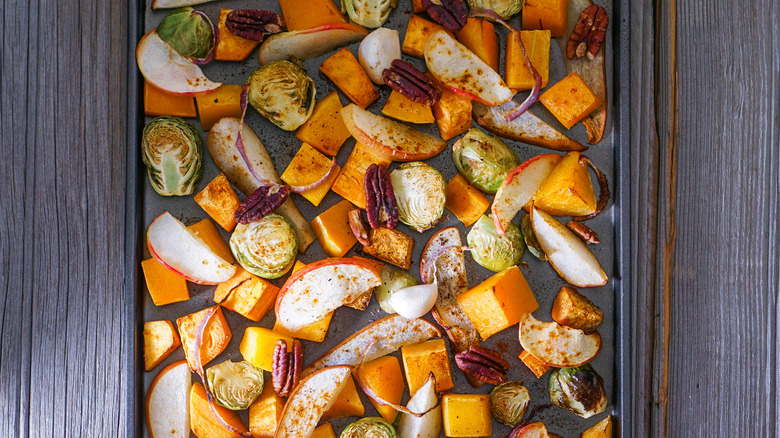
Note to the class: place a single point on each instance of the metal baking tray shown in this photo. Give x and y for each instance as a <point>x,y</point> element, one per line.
<point>612,225</point>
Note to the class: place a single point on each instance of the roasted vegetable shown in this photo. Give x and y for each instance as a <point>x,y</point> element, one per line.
<point>484,160</point>
<point>266,248</point>
<point>235,385</point>
<point>505,8</point>
<point>368,13</point>
<point>190,33</point>
<point>579,390</point>
<point>392,280</point>
<point>172,151</point>
<point>369,427</point>
<point>421,192</point>
<point>280,91</point>
<point>509,401</point>
<point>492,250</point>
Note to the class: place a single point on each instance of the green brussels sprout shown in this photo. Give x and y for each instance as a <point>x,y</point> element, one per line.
<point>267,247</point>
<point>492,250</point>
<point>505,8</point>
<point>392,280</point>
<point>279,91</point>
<point>369,427</point>
<point>172,151</point>
<point>484,160</point>
<point>530,238</point>
<point>509,401</point>
<point>235,385</point>
<point>368,13</point>
<point>579,390</point>
<point>421,192</point>
<point>189,32</point>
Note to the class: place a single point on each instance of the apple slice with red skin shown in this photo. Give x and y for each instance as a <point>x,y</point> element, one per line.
<point>519,187</point>
<point>166,69</point>
<point>557,345</point>
<point>168,402</point>
<point>180,250</point>
<point>305,44</point>
<point>320,288</point>
<point>390,138</point>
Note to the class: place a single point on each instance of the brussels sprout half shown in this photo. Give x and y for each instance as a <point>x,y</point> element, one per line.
<point>505,8</point>
<point>421,193</point>
<point>579,390</point>
<point>235,385</point>
<point>369,427</point>
<point>279,91</point>
<point>267,247</point>
<point>492,250</point>
<point>368,13</point>
<point>189,32</point>
<point>484,160</point>
<point>172,151</point>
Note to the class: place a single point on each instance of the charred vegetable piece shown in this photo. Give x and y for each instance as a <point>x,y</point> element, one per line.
<point>369,427</point>
<point>280,91</point>
<point>579,390</point>
<point>235,385</point>
<point>421,192</point>
<point>484,160</point>
<point>190,33</point>
<point>172,151</point>
<point>492,250</point>
<point>267,247</point>
<point>368,13</point>
<point>505,8</point>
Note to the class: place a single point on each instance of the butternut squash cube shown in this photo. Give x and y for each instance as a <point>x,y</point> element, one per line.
<point>160,340</point>
<point>160,103</point>
<point>323,431</point>
<point>225,101</point>
<point>423,358</point>
<point>257,346</point>
<point>351,182</point>
<point>418,30</point>
<point>265,412</point>
<point>466,415</point>
<point>391,246</point>
<point>208,232</point>
<point>220,202</point>
<point>314,332</point>
<point>246,294</point>
<point>546,14</point>
<point>537,46</point>
<point>333,231</point>
<point>216,336</point>
<point>570,100</point>
<point>384,377</point>
<point>465,201</point>
<point>301,15</point>
<point>307,167</point>
<point>534,364</point>
<point>479,36</point>
<point>498,302</point>
<point>347,403</point>
<point>325,129</point>
<point>165,286</point>
<point>567,190</point>
<point>345,71</point>
<point>230,46</point>
<point>602,429</point>
<point>452,112</point>
<point>404,109</point>
<point>204,423</point>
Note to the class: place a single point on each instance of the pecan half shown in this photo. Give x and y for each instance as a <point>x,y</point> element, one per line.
<point>381,205</point>
<point>261,202</point>
<point>358,227</point>
<point>286,370</point>
<point>449,13</point>
<point>589,33</point>
<point>483,364</point>
<point>254,24</point>
<point>583,231</point>
<point>410,82</point>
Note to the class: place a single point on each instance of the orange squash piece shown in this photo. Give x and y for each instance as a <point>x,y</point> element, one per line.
<point>247,295</point>
<point>350,183</point>
<point>230,46</point>
<point>209,233</point>
<point>308,166</point>
<point>265,412</point>
<point>418,30</point>
<point>452,112</point>
<point>391,246</point>
<point>225,101</point>
<point>537,46</point>
<point>160,103</point>
<point>203,422</point>
<point>424,358</point>
<point>534,364</point>
<point>384,377</point>
<point>325,129</point>
<point>347,403</point>
<point>333,231</point>
<point>479,36</point>
<point>160,340</point>
<point>570,100</point>
<point>220,201</point>
<point>323,431</point>
<point>345,71</point>
<point>300,15</point>
<point>465,201</point>
<point>165,286</point>
<point>546,14</point>
<point>404,109</point>
<point>257,346</point>
<point>216,336</point>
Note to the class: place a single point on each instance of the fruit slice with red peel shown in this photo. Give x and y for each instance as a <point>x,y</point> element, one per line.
<point>375,340</point>
<point>310,399</point>
<point>322,287</point>
<point>519,187</point>
<point>566,252</point>
<point>460,69</point>
<point>183,252</point>
<point>167,402</point>
<point>533,430</point>
<point>390,138</point>
<point>166,69</point>
<point>309,43</point>
<point>557,345</point>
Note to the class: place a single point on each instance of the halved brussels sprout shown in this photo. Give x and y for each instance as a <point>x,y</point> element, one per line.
<point>235,385</point>
<point>369,427</point>
<point>279,91</point>
<point>484,160</point>
<point>189,32</point>
<point>530,238</point>
<point>368,13</point>
<point>172,151</point>
<point>579,390</point>
<point>392,280</point>
<point>492,250</point>
<point>267,247</point>
<point>509,401</point>
<point>505,8</point>
<point>421,193</point>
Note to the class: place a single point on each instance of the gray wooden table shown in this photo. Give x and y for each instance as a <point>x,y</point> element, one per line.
<point>705,169</point>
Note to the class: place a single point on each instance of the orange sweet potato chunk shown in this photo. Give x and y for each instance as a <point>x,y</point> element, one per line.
<point>350,183</point>
<point>204,423</point>
<point>402,108</point>
<point>160,103</point>
<point>345,71</point>
<point>225,101</point>
<point>465,201</point>
<point>247,295</point>
<point>216,336</point>
<point>300,15</point>
<point>479,36</point>
<point>231,47</point>
<point>325,129</point>
<point>165,286</point>
<point>209,233</point>
<point>220,201</point>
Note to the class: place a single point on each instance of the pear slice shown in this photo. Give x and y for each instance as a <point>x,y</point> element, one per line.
<point>557,345</point>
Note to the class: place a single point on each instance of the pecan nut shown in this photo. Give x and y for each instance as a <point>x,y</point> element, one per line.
<point>483,364</point>
<point>583,231</point>
<point>254,24</point>
<point>381,205</point>
<point>410,82</point>
<point>588,34</point>
<point>449,13</point>
<point>286,369</point>
<point>261,202</point>
<point>358,227</point>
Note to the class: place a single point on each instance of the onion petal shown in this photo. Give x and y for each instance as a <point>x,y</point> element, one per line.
<point>315,184</point>
<point>603,190</point>
<point>215,31</point>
